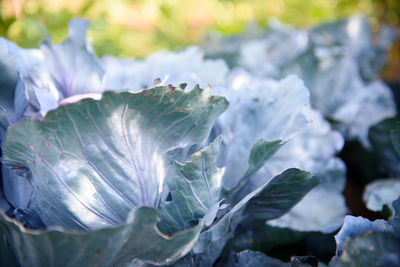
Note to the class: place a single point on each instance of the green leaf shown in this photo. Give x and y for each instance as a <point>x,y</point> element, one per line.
<point>94,161</point>
<point>194,188</point>
<point>265,237</point>
<point>261,151</point>
<point>138,239</point>
<point>269,201</point>
<point>280,195</point>
<point>370,249</point>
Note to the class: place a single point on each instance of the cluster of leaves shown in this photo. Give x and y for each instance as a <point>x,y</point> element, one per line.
<point>337,59</point>
<point>112,162</point>
<point>339,62</point>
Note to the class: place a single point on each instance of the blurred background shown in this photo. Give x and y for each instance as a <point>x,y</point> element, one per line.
<point>136,28</point>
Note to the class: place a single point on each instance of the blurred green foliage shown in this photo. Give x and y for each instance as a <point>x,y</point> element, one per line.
<point>138,28</point>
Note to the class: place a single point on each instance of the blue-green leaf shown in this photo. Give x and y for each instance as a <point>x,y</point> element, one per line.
<point>194,187</point>
<point>280,195</point>
<point>271,200</point>
<point>370,249</point>
<point>94,161</point>
<point>138,239</point>
<point>356,226</point>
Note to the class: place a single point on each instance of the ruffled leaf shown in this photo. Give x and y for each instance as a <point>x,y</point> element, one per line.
<point>371,249</point>
<point>356,226</point>
<point>380,193</point>
<point>261,110</point>
<point>73,67</point>
<point>340,59</point>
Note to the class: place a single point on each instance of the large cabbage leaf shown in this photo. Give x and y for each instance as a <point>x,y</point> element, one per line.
<point>116,146</point>
<point>86,162</point>
<point>138,238</point>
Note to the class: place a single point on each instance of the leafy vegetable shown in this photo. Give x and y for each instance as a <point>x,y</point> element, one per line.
<point>104,171</point>
<point>111,145</point>
<point>361,242</point>
<point>111,162</point>
<point>257,99</point>
<point>338,59</point>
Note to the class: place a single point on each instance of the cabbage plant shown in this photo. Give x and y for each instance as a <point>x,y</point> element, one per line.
<point>103,177</point>
<point>338,59</point>
<point>313,148</point>
<point>156,176</point>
